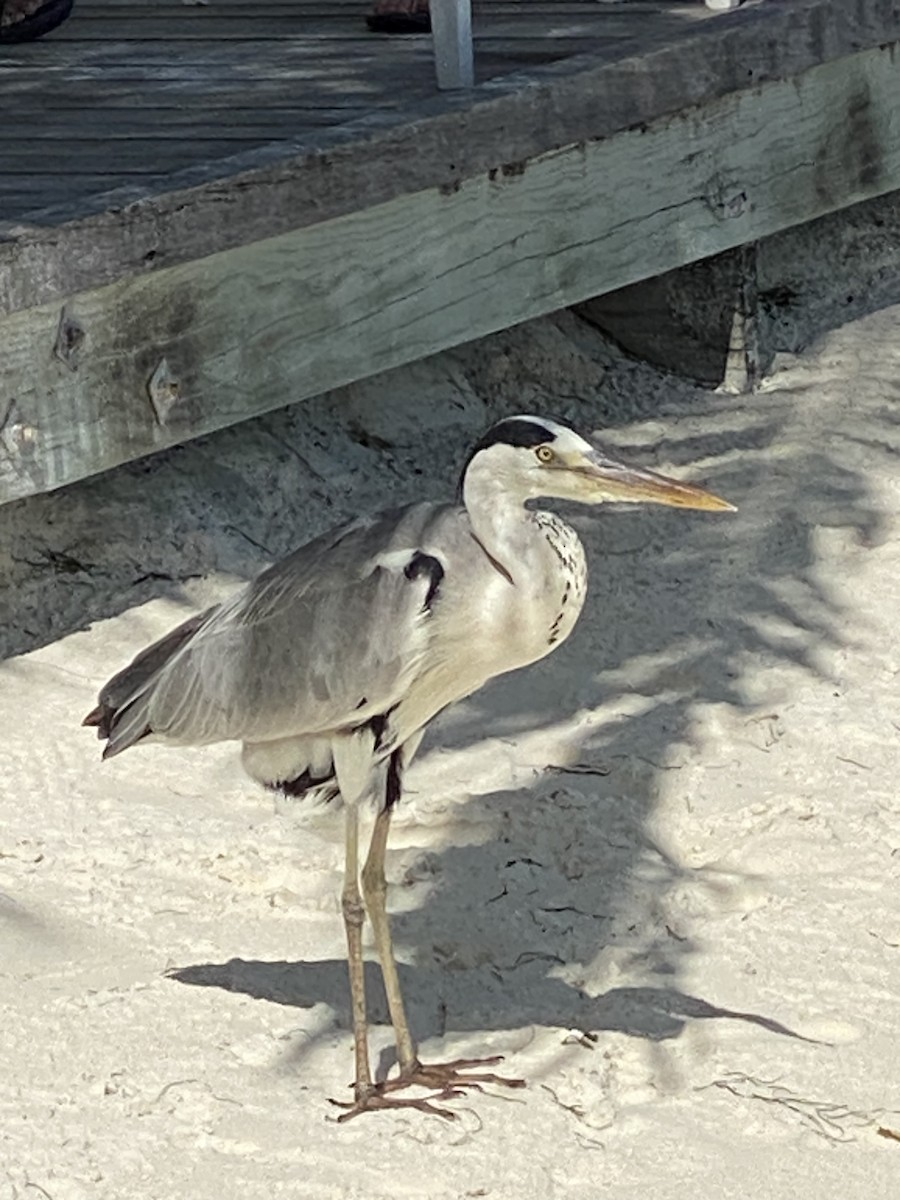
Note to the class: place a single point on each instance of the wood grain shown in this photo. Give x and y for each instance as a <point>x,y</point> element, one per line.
<point>257,326</point>
<point>411,139</point>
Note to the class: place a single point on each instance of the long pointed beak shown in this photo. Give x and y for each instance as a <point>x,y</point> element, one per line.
<point>618,481</point>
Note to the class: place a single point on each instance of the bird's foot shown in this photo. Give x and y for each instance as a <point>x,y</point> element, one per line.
<point>449,1080</point>
<point>372,1098</point>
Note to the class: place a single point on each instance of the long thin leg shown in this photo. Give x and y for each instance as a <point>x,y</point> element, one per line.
<point>354,915</point>
<point>374,885</point>
<point>367,1097</point>
<point>448,1078</point>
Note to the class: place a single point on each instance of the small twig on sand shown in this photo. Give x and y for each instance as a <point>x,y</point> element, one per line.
<point>579,769</point>
<point>828,1120</point>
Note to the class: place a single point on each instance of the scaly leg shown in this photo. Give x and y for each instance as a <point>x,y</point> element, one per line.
<point>374,885</point>
<point>448,1079</point>
<point>354,916</point>
<point>366,1095</point>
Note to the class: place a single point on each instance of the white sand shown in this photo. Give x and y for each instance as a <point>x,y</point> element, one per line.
<point>689,943</point>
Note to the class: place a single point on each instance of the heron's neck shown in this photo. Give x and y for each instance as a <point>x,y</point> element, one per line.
<point>504,527</point>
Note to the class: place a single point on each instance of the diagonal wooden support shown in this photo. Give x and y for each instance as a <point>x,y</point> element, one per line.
<point>451,28</point>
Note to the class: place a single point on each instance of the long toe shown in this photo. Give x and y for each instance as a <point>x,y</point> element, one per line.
<point>451,1079</point>
<point>377,1101</point>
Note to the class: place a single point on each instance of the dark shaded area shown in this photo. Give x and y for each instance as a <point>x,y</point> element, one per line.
<point>530,997</point>
<point>680,321</point>
<point>683,321</point>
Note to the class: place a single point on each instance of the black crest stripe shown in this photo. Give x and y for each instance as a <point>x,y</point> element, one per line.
<point>515,431</point>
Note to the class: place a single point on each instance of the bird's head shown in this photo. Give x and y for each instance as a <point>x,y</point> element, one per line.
<point>526,458</point>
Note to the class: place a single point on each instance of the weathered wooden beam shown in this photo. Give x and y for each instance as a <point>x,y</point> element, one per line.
<point>148,362</point>
<point>439,144</point>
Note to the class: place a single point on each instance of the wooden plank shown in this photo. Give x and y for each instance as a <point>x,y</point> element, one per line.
<point>256,127</point>
<point>268,8</point>
<point>90,98</point>
<point>110,81</point>
<point>438,143</point>
<point>224,14</point>
<point>255,327</point>
<point>589,21</point>
<point>141,60</point>
<point>134,156</point>
<point>48,186</point>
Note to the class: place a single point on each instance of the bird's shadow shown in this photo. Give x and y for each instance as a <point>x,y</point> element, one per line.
<point>531,998</point>
<point>500,936</point>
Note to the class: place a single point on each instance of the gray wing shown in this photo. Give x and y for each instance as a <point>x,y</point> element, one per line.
<point>326,639</point>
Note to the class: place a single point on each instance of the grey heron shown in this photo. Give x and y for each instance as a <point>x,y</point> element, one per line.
<point>330,665</point>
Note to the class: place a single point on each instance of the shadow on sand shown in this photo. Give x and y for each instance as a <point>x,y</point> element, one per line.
<point>678,608</point>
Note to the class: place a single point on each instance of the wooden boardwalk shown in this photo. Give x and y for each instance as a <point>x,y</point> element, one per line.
<point>209,211</point>
<point>127,93</point>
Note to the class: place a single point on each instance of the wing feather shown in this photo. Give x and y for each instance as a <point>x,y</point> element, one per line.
<point>327,638</point>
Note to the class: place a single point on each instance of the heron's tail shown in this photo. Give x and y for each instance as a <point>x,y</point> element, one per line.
<point>121,717</point>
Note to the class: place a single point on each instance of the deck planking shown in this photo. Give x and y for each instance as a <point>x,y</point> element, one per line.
<point>211,228</point>
<point>166,77</point>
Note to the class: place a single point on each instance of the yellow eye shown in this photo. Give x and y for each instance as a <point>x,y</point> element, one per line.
<point>545,454</point>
